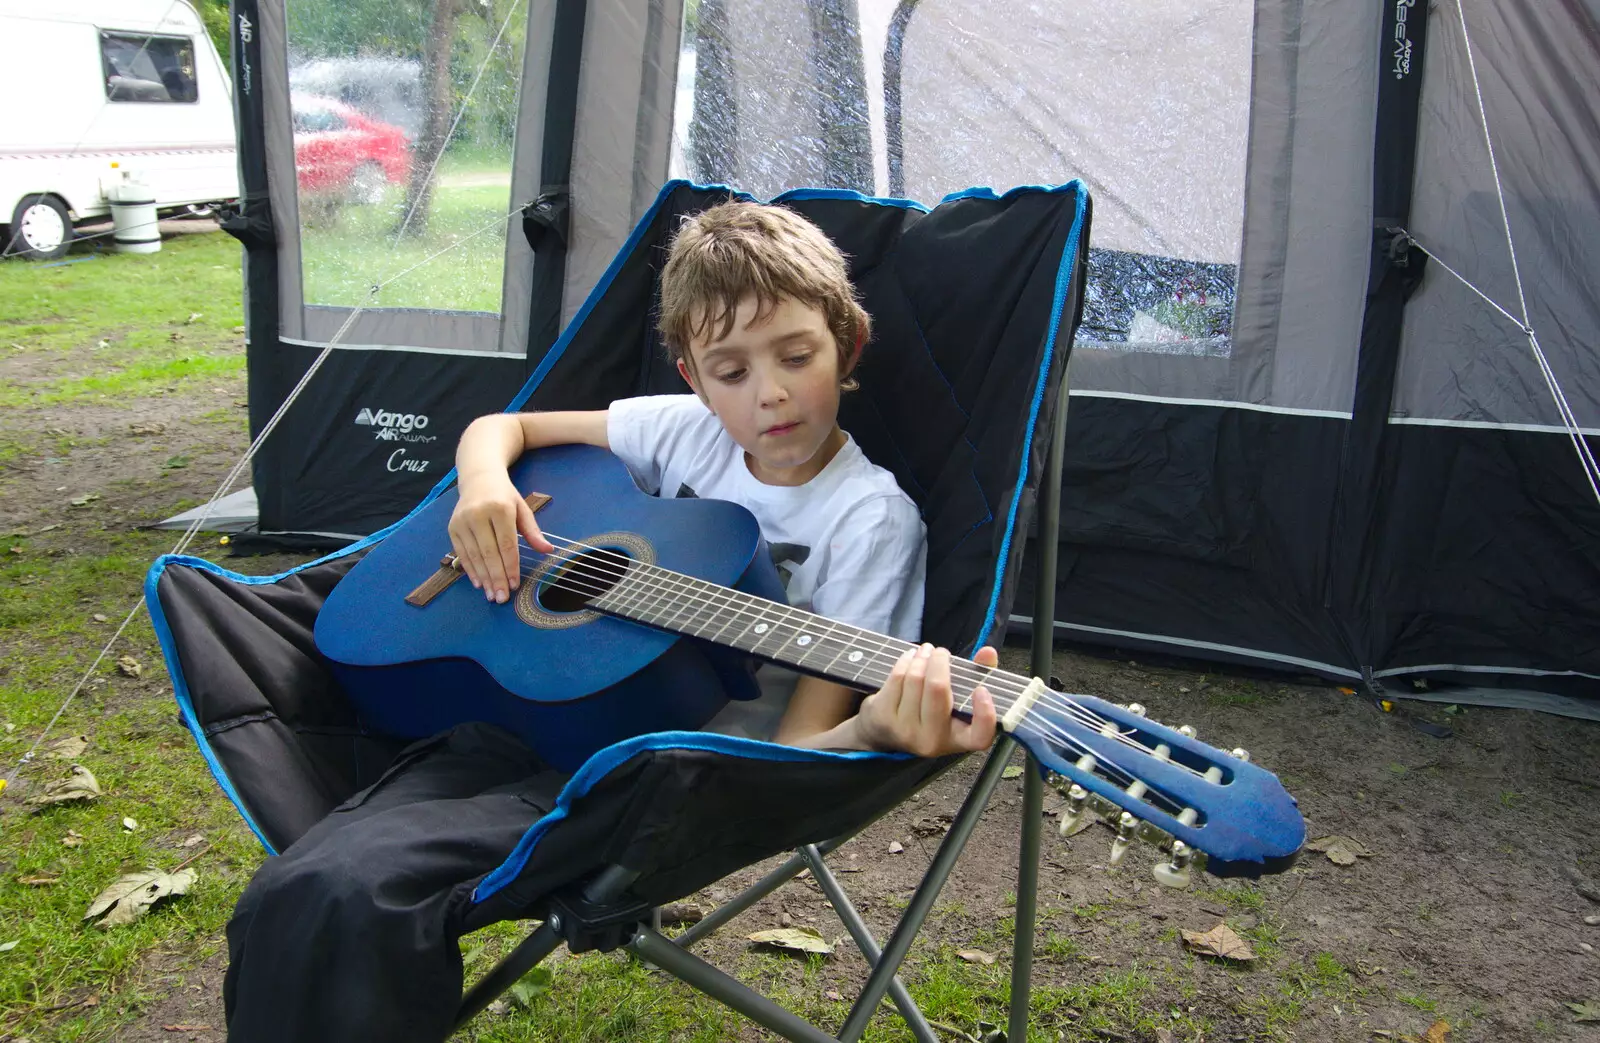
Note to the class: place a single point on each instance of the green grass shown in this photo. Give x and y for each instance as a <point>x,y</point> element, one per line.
<point>145,763</point>
<point>120,326</point>
<point>347,250</point>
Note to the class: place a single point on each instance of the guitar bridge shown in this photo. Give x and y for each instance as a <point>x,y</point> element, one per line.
<point>436,584</point>
<point>450,566</point>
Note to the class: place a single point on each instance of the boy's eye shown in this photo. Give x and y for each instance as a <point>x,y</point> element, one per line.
<point>731,376</point>
<point>798,360</point>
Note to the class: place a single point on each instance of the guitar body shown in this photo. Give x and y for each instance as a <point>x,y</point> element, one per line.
<point>565,679</point>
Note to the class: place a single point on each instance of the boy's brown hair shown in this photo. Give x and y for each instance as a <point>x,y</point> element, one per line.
<point>736,250</point>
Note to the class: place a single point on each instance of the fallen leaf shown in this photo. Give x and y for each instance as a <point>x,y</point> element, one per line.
<point>827,994</point>
<point>1219,941</point>
<point>133,894</point>
<point>1012,772</point>
<point>1340,850</point>
<point>130,824</point>
<point>193,316</point>
<point>129,666</point>
<point>185,1028</point>
<point>72,839</point>
<point>100,617</point>
<point>1438,1032</point>
<point>1587,1011</point>
<point>977,956</point>
<point>895,847</point>
<point>70,748</point>
<point>1165,1035</point>
<point>671,913</point>
<point>238,329</point>
<point>146,429</point>
<point>193,840</point>
<point>37,881</point>
<point>8,946</point>
<point>82,786</point>
<point>175,463</point>
<point>85,500</point>
<point>797,939</point>
<point>932,825</point>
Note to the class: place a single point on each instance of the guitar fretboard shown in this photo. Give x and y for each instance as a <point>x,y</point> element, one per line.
<point>803,640</point>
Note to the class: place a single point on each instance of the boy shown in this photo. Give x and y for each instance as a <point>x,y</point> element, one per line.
<point>758,312</point>
<point>351,933</point>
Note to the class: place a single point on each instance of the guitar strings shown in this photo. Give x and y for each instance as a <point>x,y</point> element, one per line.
<point>590,569</point>
<point>992,677</point>
<point>618,567</point>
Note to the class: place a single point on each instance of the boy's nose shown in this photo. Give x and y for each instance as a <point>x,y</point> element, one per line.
<point>773,392</point>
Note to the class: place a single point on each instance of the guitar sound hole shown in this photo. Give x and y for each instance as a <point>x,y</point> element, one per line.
<point>582,578</point>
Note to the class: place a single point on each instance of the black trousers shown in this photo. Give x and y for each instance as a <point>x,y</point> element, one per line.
<point>350,933</point>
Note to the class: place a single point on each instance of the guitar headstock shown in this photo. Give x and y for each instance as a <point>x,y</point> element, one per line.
<point>1161,785</point>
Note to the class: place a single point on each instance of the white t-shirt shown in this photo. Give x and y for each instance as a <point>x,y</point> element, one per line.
<point>849,544</point>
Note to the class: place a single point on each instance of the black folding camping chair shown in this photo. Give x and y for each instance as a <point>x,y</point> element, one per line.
<point>963,398</point>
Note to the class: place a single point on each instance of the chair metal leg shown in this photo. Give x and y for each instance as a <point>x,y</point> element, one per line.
<point>1027,901</point>
<point>541,943</point>
<point>790,869</point>
<point>691,969</point>
<point>1041,660</point>
<point>944,860</point>
<point>867,943</point>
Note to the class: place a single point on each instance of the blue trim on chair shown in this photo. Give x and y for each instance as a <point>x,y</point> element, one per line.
<point>603,762</point>
<point>180,687</point>
<point>1069,257</point>
<point>847,194</point>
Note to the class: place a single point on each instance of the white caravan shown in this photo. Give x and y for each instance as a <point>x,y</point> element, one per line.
<point>99,91</point>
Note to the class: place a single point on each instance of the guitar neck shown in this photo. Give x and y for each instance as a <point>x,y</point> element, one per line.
<point>783,634</point>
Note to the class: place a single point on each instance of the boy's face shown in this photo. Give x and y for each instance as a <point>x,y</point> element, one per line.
<point>774,384</point>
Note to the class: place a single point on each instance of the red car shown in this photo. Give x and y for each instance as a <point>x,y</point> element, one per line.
<point>340,150</point>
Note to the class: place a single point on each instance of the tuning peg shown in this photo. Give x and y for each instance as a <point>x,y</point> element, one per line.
<point>1077,818</point>
<point>1186,730</point>
<point>1242,754</point>
<point>1137,709</point>
<point>1175,873</point>
<point>1162,752</point>
<point>1127,828</point>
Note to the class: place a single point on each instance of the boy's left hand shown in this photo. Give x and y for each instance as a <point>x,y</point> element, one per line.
<point>912,711</point>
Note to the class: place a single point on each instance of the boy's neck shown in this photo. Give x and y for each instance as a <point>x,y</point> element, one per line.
<point>802,473</point>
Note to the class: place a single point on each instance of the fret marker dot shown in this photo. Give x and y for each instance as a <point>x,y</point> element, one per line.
<point>855,657</point>
<point>803,639</point>
<point>760,628</point>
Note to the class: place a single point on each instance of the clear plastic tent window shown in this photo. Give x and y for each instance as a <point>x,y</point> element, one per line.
<point>1149,104</point>
<point>383,93</point>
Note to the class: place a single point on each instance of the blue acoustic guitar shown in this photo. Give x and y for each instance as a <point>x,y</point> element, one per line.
<point>646,618</point>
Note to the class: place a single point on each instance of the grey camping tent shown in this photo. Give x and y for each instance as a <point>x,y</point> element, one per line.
<point>1334,392</point>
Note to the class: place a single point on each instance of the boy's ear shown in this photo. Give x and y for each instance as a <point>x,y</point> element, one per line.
<point>855,356</point>
<point>687,373</point>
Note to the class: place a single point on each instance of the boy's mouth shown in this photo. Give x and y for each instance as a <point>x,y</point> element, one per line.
<point>781,429</point>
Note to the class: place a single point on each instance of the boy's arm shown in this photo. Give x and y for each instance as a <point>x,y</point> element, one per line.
<point>491,512</point>
<point>910,713</point>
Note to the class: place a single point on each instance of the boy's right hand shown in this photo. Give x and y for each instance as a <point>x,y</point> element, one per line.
<point>488,518</point>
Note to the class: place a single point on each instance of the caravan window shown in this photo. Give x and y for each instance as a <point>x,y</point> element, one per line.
<point>148,68</point>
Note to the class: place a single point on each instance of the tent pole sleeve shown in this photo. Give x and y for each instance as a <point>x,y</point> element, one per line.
<point>548,224</point>
<point>250,222</point>
<point>893,96</point>
<point>1394,272</point>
